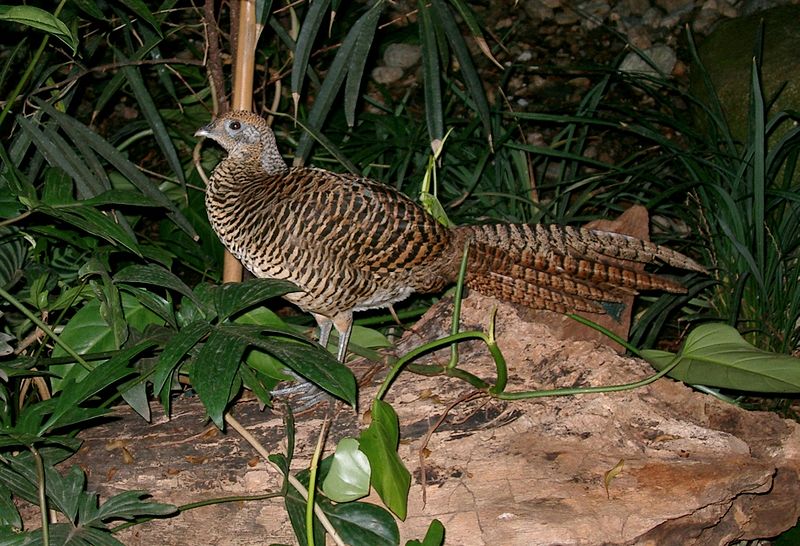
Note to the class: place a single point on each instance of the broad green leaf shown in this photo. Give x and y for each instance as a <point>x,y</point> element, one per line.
<point>716,355</point>
<point>379,442</point>
<point>87,332</point>
<point>230,298</point>
<point>41,20</point>
<point>368,337</point>
<point>74,393</point>
<point>363,524</point>
<point>348,477</point>
<point>434,536</point>
<point>259,360</point>
<point>214,370</point>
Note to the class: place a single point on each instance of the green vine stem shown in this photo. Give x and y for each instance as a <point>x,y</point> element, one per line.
<point>455,326</point>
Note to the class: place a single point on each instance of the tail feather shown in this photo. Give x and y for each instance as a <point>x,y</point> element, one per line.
<point>565,269</point>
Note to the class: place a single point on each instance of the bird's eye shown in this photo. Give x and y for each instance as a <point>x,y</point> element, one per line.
<point>235,125</point>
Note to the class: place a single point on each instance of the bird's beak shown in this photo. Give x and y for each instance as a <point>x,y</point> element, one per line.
<point>204,131</point>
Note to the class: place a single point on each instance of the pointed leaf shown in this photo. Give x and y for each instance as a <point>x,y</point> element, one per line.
<point>716,355</point>
<point>129,505</point>
<point>231,298</point>
<point>434,536</point>
<point>307,359</point>
<point>363,524</point>
<point>379,442</point>
<point>444,17</point>
<point>9,515</point>
<point>431,73</point>
<point>213,372</point>
<point>358,60</point>
<point>175,350</point>
<point>39,19</point>
<point>150,111</point>
<point>155,275</point>
<point>312,22</point>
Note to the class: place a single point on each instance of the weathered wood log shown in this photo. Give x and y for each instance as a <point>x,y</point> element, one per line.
<point>695,471</point>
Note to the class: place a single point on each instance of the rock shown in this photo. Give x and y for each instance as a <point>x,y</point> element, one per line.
<point>695,470</point>
<point>386,74</point>
<point>662,56</point>
<point>402,55</point>
<point>727,55</point>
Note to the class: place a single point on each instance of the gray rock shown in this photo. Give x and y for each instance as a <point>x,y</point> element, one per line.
<point>402,55</point>
<point>662,56</point>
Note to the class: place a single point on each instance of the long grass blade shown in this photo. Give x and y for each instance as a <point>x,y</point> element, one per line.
<point>472,80</point>
<point>358,59</point>
<point>432,82</point>
<point>305,42</point>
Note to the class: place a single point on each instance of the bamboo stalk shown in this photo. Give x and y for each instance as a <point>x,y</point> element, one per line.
<point>242,96</point>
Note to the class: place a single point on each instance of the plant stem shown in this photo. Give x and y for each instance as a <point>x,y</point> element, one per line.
<point>45,328</point>
<point>462,273</point>
<point>12,98</point>
<point>312,481</point>
<point>323,519</point>
<point>37,457</point>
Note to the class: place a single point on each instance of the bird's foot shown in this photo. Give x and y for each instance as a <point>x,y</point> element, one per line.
<point>302,394</point>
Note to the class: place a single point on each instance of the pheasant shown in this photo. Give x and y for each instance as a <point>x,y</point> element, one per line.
<point>350,243</point>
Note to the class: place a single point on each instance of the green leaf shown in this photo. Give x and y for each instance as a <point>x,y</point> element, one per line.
<point>230,298</point>
<point>716,355</point>
<point>348,477</point>
<point>431,74</point>
<point>9,515</point>
<point>330,87</point>
<point>154,275</point>
<point>379,442</point>
<point>74,393</point>
<point>78,132</point>
<point>140,8</point>
<point>434,536</point>
<point>214,370</point>
<point>175,350</point>
<point>41,20</point>
<point>444,18</point>
<point>363,524</point>
<point>307,359</point>
<point>312,22</point>
<point>88,332</point>
<point>150,111</point>
<point>358,60</point>
<point>95,222</point>
<point>130,505</point>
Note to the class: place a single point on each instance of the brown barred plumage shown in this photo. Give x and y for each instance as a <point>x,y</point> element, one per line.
<point>351,244</point>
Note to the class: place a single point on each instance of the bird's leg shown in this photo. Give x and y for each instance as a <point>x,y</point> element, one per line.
<point>325,325</point>
<point>308,393</point>
<point>343,322</point>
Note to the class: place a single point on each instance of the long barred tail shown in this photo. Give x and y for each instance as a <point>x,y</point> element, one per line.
<point>565,269</point>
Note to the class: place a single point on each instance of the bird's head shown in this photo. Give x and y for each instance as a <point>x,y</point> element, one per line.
<point>245,135</point>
